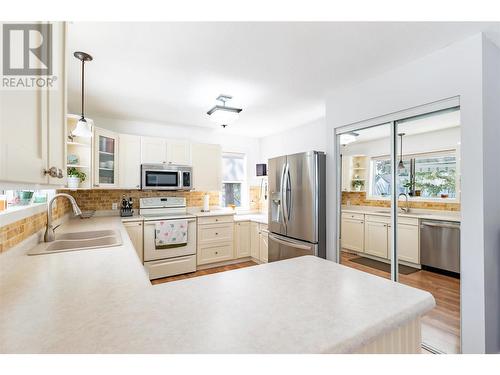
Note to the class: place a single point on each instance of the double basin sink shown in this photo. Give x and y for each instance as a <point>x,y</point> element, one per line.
<point>80,241</point>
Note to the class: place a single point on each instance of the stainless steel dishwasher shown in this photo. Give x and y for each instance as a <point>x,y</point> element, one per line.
<point>440,244</point>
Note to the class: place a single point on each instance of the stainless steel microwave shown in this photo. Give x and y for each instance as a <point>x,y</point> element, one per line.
<point>166,177</point>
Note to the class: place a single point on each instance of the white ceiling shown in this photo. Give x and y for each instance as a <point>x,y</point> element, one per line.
<point>277,72</point>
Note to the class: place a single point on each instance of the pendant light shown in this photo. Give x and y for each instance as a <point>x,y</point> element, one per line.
<point>401,165</point>
<point>83,128</point>
<point>222,114</point>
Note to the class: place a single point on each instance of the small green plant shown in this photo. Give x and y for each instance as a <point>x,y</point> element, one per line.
<point>74,172</point>
<point>358,184</point>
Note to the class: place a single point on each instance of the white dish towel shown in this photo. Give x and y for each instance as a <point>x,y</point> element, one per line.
<point>171,232</point>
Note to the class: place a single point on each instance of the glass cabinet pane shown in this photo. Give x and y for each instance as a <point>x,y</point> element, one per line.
<point>106,159</point>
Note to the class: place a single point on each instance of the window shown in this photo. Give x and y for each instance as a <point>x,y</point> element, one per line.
<point>233,179</point>
<point>432,175</point>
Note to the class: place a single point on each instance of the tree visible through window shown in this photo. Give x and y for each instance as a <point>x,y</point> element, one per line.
<point>233,179</point>
<point>433,176</point>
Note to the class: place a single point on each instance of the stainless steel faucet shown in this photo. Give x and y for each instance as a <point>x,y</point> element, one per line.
<point>407,208</point>
<point>49,231</point>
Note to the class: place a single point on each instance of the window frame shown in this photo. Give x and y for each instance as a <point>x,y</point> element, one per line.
<point>245,202</point>
<point>443,152</point>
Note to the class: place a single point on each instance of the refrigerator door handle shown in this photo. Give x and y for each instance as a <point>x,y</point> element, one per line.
<point>288,184</point>
<point>284,193</point>
<point>288,243</point>
<point>282,209</point>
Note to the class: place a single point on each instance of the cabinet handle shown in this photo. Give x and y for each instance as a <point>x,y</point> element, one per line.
<point>96,185</point>
<point>137,186</point>
<point>216,252</point>
<point>216,233</point>
<point>53,172</point>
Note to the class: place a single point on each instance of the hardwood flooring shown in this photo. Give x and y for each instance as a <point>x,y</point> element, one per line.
<point>207,271</point>
<point>441,326</point>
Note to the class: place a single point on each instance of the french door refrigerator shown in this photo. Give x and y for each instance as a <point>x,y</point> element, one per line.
<point>297,212</point>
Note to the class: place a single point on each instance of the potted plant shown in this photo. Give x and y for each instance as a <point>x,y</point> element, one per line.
<point>357,185</point>
<point>75,177</point>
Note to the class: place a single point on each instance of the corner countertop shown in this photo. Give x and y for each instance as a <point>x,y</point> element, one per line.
<point>256,217</point>
<point>101,301</point>
<point>414,213</point>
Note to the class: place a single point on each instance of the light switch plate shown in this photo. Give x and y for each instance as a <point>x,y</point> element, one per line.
<point>114,206</point>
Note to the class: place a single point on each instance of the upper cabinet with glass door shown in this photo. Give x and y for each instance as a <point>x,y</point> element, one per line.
<point>106,158</point>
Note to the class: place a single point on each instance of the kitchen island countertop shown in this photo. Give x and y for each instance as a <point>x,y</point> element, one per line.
<point>101,301</point>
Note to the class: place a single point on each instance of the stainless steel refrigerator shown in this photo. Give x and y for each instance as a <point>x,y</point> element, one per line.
<point>297,212</point>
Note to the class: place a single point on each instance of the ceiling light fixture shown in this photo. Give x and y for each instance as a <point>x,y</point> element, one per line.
<point>83,128</point>
<point>347,138</point>
<point>222,114</point>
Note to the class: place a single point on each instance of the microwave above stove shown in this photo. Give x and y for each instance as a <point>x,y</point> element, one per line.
<point>166,177</point>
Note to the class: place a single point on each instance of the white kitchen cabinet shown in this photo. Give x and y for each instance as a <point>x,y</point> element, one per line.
<point>408,242</point>
<point>254,240</point>
<point>153,150</point>
<point>352,232</point>
<point>242,239</point>
<point>135,232</point>
<point>376,238</point>
<point>32,123</point>
<point>346,172</point>
<point>207,167</point>
<point>105,158</point>
<point>129,166</point>
<point>178,153</point>
<point>215,239</point>
<point>263,243</point>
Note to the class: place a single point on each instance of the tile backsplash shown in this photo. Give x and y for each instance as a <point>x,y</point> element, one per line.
<point>103,199</point>
<point>359,199</point>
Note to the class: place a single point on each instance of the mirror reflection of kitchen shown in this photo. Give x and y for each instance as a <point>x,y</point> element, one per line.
<point>428,188</point>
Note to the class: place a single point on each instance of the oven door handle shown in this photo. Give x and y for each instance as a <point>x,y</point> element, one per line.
<point>159,221</point>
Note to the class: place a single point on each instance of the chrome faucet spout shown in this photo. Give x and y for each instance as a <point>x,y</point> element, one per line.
<point>49,231</point>
<point>407,208</point>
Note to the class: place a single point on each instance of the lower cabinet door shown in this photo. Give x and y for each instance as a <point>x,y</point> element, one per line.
<point>376,239</point>
<point>408,243</point>
<point>242,239</point>
<point>352,234</point>
<point>135,232</point>
<point>254,240</point>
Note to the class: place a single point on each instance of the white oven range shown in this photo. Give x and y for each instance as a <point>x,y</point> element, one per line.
<point>171,259</point>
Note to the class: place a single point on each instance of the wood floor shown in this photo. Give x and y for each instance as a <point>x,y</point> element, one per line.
<point>441,326</point>
<point>207,271</point>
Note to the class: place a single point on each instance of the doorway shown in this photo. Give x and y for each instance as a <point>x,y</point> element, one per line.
<point>416,219</point>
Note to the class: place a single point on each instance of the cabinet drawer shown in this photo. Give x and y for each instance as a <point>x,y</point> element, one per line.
<point>349,215</point>
<point>215,233</point>
<point>215,219</point>
<point>408,220</point>
<point>215,252</point>
<point>378,219</point>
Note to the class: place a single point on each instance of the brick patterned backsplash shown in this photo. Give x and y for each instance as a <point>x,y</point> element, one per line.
<point>103,199</point>
<point>16,232</point>
<point>359,199</point>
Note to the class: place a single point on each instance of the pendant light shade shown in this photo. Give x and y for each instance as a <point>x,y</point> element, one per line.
<point>83,127</point>
<point>401,165</point>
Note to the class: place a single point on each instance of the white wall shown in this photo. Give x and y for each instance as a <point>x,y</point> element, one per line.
<point>230,143</point>
<point>308,137</point>
<point>454,71</point>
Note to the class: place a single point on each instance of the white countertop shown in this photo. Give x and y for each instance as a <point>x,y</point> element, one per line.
<point>257,218</point>
<point>415,213</point>
<point>101,301</point>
